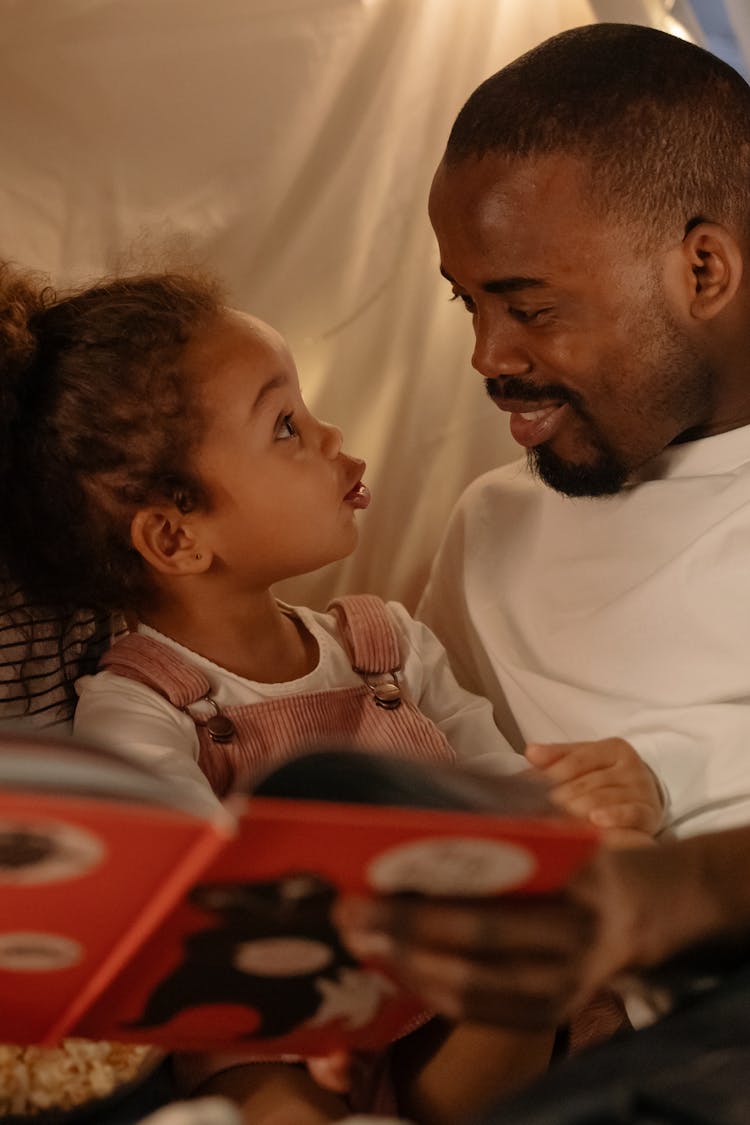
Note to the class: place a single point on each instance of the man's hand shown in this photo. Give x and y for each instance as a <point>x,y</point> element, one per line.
<point>605,781</point>
<point>532,962</point>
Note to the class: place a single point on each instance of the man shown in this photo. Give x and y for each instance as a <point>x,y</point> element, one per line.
<point>593,216</point>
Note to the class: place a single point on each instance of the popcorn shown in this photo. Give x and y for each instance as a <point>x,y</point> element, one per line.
<point>35,1079</point>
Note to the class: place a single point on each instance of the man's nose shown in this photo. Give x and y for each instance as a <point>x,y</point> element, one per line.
<point>498,352</point>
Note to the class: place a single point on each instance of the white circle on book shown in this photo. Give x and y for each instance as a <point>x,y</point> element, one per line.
<point>28,952</point>
<point>282,956</point>
<point>451,865</point>
<point>46,851</point>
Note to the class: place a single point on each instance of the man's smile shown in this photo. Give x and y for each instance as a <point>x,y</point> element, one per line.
<point>531,423</point>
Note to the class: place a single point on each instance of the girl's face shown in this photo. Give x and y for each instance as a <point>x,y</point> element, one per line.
<point>282,494</point>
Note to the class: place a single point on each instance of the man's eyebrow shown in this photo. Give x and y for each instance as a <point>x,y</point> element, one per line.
<point>503,284</point>
<point>271,384</point>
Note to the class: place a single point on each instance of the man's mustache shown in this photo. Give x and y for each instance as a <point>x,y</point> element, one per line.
<point>515,388</point>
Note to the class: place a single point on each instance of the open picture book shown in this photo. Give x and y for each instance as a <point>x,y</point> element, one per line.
<point>126,914</point>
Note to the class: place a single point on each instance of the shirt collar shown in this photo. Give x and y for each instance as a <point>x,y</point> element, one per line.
<point>721,453</point>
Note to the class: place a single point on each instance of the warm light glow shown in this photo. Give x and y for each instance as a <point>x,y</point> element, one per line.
<point>674,27</point>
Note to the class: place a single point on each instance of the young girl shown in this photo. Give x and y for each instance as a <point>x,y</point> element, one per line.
<point>160,460</point>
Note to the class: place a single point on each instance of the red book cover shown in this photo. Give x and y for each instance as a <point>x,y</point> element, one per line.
<point>251,957</point>
<point>180,936</point>
<point>84,879</point>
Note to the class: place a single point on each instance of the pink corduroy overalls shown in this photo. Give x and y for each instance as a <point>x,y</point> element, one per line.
<point>242,743</point>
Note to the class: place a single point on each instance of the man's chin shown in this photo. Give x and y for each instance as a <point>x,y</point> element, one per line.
<point>603,477</point>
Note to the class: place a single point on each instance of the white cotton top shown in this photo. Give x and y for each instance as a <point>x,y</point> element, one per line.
<point>627,615</point>
<point>119,713</point>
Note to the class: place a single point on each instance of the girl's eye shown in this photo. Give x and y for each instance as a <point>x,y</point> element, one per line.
<point>285,428</point>
<point>465,300</point>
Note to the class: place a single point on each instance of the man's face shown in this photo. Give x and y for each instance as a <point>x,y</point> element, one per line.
<point>575,334</point>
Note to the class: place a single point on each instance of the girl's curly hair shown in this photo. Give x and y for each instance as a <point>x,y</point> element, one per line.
<point>98,419</point>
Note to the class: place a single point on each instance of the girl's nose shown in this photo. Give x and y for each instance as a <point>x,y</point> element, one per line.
<point>332,439</point>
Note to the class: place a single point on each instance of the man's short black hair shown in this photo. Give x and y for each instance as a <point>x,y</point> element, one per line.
<point>662,125</point>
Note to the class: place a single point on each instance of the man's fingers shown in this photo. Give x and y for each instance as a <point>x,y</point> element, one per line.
<point>533,993</point>
<point>486,929</point>
<point>518,964</point>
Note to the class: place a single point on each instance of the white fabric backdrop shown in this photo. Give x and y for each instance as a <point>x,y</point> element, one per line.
<point>289,145</point>
<point>739,18</point>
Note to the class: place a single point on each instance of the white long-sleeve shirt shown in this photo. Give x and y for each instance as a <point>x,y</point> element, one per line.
<point>628,615</point>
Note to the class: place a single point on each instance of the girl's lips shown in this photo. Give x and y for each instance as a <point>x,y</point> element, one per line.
<point>532,427</point>
<point>359,496</point>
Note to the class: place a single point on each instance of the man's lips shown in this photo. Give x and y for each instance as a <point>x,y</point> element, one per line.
<point>359,496</point>
<point>532,423</point>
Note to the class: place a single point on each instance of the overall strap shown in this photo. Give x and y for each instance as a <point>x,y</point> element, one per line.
<point>157,666</point>
<point>368,633</point>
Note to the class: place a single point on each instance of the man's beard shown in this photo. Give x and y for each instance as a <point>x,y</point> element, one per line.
<point>687,396</point>
<point>605,476</point>
<point>685,393</point>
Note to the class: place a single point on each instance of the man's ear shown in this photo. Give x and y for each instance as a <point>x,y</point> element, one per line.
<point>167,541</point>
<point>711,269</point>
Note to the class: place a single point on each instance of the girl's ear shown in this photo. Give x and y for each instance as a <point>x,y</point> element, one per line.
<point>711,269</point>
<point>167,542</point>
